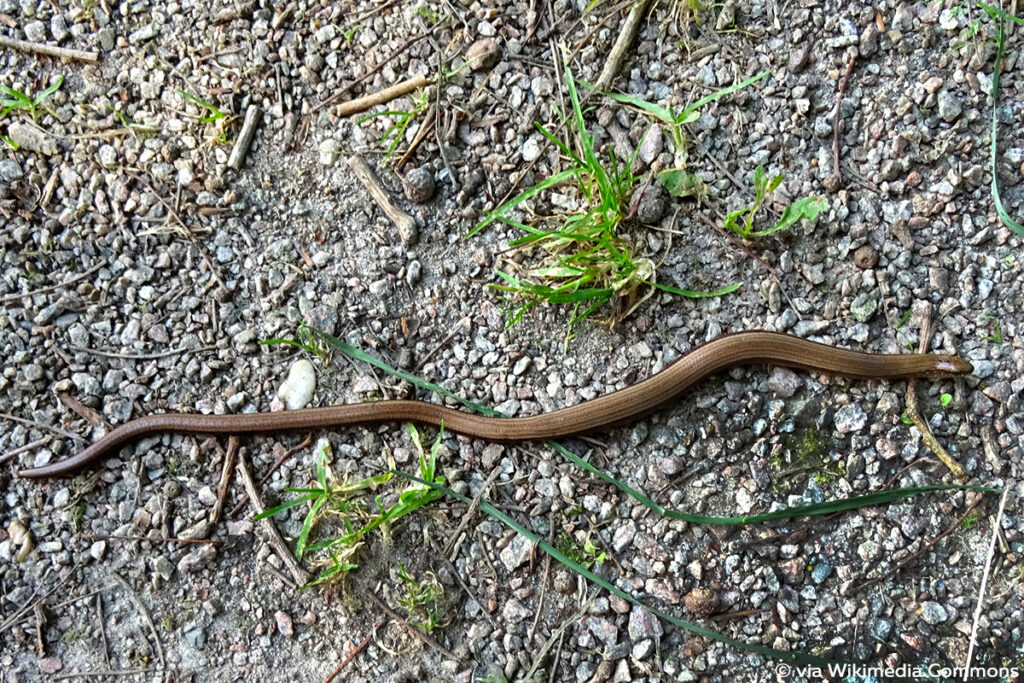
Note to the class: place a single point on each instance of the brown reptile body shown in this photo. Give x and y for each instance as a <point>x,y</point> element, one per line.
<point>743,348</point>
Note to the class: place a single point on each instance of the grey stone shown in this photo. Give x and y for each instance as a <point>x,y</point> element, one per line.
<point>863,307</point>
<point>850,418</point>
<point>643,625</point>
<point>10,171</point>
<point>784,382</point>
<point>516,552</point>
<point>35,31</point>
<point>950,105</point>
<point>58,27</point>
<point>147,32</point>
<point>933,612</point>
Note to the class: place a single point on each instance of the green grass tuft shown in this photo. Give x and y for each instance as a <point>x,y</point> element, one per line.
<point>15,100</point>
<point>586,261</point>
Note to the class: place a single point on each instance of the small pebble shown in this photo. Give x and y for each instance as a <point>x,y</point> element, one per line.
<point>419,185</point>
<point>701,601</point>
<point>865,257</point>
<point>284,624</point>
<point>483,54</point>
<point>297,390</point>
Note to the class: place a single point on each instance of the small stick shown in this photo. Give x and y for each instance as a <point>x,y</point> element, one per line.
<point>37,609</point>
<point>920,551</point>
<point>273,571</point>
<point>103,629</point>
<point>80,409</point>
<point>156,539</point>
<point>984,581</point>
<point>444,342</point>
<point>472,508</point>
<point>358,648</point>
<point>67,283</point>
<point>145,615</point>
<point>369,74</point>
<point>558,655</point>
<point>532,634</point>
<point>621,46</point>
<point>421,135</point>
<point>450,566</point>
<point>263,480</point>
<point>141,356</point>
<point>241,148</point>
<point>225,480</point>
<point>100,672</point>
<point>835,124</point>
<point>51,50</point>
<point>40,425</point>
<point>301,576</point>
<point>21,449</point>
<point>914,413</point>
<point>405,223</point>
<point>415,632</point>
<point>437,117</point>
<point>380,97</point>
<point>754,256</point>
<point>170,210</point>
<point>85,596</point>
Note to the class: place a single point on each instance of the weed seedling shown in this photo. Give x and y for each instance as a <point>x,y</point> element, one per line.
<point>676,119</point>
<point>15,100</point>
<point>808,207</point>
<point>996,337</point>
<point>214,115</point>
<point>341,500</point>
<point>422,601</point>
<point>396,131</point>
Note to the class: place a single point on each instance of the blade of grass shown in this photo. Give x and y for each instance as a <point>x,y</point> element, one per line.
<point>49,91</point>
<point>997,17</point>
<point>284,506</point>
<point>687,115</point>
<point>520,198</point>
<point>654,110</point>
<point>697,295</point>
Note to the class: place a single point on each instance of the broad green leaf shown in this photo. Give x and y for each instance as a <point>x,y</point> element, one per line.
<point>808,207</point>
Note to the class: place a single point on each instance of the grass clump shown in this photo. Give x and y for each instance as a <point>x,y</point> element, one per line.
<point>343,501</point>
<point>15,100</point>
<point>587,261</point>
<point>422,600</point>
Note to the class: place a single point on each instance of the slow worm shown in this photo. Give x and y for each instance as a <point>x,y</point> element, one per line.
<point>743,348</point>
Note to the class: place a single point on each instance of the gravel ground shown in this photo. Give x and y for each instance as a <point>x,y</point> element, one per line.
<point>189,263</point>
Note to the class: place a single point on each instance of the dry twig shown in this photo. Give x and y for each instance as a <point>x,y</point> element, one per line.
<point>363,103</point>
<point>50,50</point>
<point>300,575</point>
<point>405,223</point>
<point>356,650</point>
<point>225,479</point>
<point>621,46</point>
<point>914,413</point>
<point>42,290</point>
<point>145,615</point>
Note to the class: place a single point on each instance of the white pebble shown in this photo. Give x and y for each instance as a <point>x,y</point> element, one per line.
<point>297,390</point>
